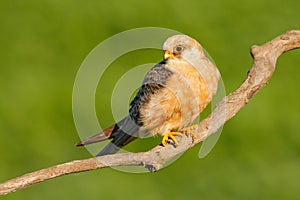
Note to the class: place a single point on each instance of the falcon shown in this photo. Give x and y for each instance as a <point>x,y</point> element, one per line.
<point>172,95</point>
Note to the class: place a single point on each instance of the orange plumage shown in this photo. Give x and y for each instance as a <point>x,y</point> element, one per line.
<point>172,95</point>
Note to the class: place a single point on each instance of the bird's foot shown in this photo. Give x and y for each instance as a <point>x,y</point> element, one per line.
<point>170,135</point>
<point>189,131</point>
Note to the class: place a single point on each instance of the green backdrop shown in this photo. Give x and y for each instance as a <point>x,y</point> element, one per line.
<point>42,45</point>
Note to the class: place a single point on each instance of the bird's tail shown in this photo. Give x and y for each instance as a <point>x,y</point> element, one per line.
<point>121,134</point>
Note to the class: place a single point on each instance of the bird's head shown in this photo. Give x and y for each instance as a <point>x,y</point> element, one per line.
<point>182,47</point>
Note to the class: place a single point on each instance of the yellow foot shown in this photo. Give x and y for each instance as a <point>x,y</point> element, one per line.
<point>189,131</point>
<point>170,135</point>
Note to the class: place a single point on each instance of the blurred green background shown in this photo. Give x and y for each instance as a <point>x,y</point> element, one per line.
<point>42,45</point>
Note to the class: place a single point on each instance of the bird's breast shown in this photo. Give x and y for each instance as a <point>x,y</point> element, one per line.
<point>184,95</point>
<point>190,89</point>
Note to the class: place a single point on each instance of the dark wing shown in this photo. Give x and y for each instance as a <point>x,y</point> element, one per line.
<point>154,80</point>
<point>125,131</point>
<point>127,128</point>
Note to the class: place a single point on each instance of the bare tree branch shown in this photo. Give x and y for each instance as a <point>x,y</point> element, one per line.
<point>264,56</point>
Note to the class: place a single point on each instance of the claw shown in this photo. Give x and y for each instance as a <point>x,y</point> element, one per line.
<point>189,131</point>
<point>170,135</point>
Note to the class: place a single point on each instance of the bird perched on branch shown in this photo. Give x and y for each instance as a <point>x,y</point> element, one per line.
<point>173,94</point>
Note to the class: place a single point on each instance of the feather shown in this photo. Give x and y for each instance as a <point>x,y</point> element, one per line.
<point>121,134</point>
<point>104,135</point>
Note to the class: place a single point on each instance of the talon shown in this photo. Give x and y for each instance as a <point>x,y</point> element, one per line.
<point>170,135</point>
<point>189,131</point>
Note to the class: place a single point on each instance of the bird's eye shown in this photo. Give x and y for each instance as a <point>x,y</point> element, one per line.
<point>178,49</point>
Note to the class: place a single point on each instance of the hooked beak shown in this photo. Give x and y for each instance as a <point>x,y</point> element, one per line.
<point>168,55</point>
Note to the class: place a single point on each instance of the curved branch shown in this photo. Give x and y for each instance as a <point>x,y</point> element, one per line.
<point>264,56</point>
